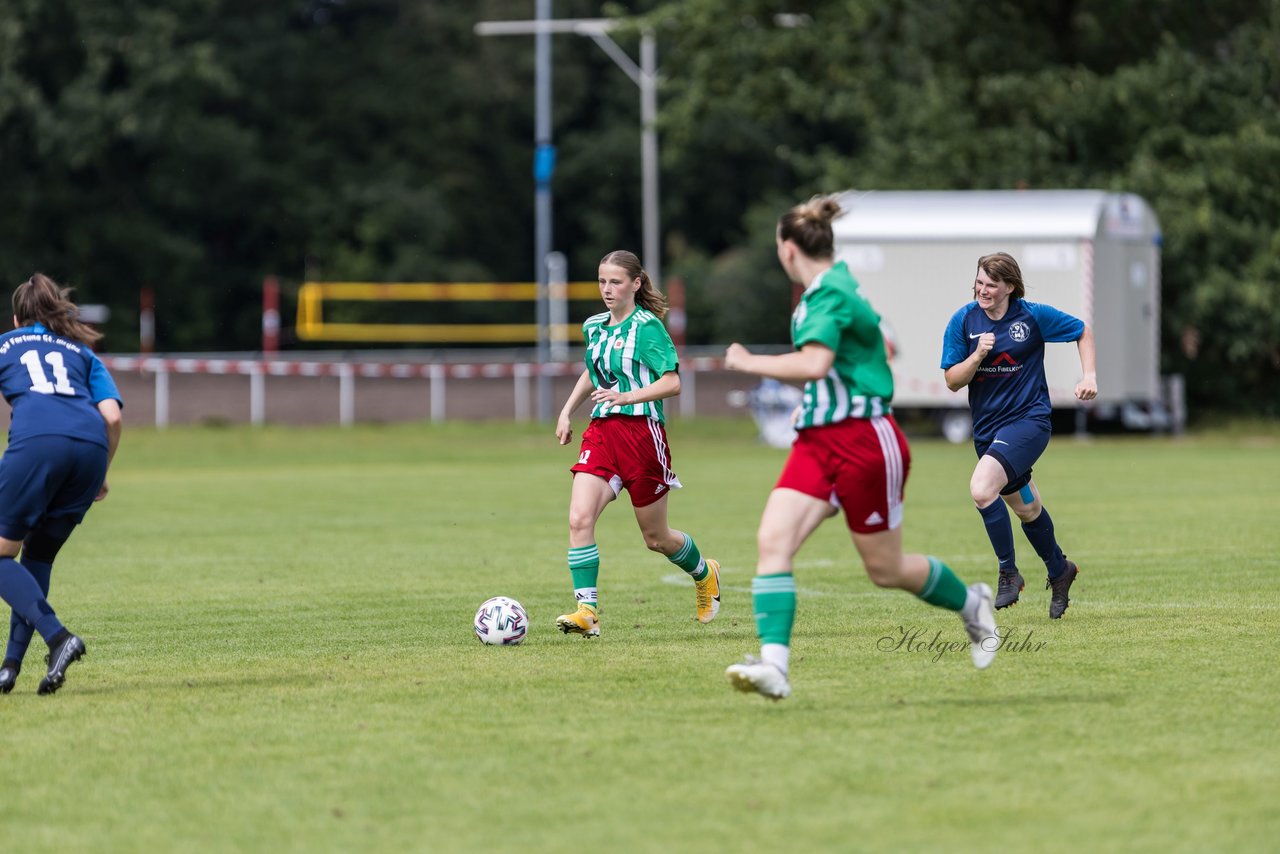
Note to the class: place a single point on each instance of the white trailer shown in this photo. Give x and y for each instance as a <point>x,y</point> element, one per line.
<point>1090,253</point>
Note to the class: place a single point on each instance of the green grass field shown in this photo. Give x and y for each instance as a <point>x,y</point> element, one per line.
<point>281,658</point>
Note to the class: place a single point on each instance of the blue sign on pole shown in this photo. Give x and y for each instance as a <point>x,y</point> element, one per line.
<point>544,163</point>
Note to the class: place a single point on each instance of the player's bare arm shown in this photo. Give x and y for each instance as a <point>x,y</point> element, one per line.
<point>810,362</point>
<point>961,374</point>
<point>1087,388</point>
<point>112,417</point>
<point>564,424</point>
<point>667,385</point>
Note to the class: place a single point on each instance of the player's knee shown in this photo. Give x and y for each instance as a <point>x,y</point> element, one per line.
<point>774,554</point>
<point>655,542</point>
<point>982,495</point>
<point>773,541</point>
<point>581,522</point>
<point>884,572</point>
<point>42,545</point>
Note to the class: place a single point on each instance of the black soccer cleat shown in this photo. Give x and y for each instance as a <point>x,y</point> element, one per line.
<point>1008,588</point>
<point>8,675</point>
<point>1059,601</point>
<point>60,658</point>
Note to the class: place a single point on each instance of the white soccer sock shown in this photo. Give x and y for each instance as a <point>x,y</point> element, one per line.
<point>777,654</point>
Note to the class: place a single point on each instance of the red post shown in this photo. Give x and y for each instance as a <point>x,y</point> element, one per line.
<point>270,315</point>
<point>677,320</point>
<point>146,320</point>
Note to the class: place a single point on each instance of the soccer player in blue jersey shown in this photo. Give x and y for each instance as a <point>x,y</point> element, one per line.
<point>995,346</point>
<point>849,454</point>
<point>63,432</point>
<point>631,368</point>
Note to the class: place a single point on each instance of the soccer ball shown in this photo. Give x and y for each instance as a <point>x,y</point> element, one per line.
<point>501,621</point>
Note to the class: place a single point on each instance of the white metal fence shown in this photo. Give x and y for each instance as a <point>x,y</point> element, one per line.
<point>275,380</point>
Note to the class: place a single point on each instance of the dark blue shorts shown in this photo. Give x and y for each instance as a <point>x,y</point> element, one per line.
<point>1017,446</point>
<point>48,480</point>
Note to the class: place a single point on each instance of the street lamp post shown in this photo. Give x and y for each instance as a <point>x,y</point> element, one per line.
<point>644,75</point>
<point>544,163</point>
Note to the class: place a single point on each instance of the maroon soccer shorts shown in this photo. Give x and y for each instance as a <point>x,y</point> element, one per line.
<point>631,453</point>
<point>859,464</point>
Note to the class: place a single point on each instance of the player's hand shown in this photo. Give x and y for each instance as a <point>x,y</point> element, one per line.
<point>986,341</point>
<point>564,430</point>
<point>736,356</point>
<point>102,492</point>
<point>612,397</point>
<point>1087,388</point>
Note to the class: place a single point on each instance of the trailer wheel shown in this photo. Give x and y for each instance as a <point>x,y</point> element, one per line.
<point>957,426</point>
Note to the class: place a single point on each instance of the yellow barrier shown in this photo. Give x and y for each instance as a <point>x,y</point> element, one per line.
<point>312,327</point>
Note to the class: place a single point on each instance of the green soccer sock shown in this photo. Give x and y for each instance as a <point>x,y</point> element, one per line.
<point>584,566</point>
<point>690,559</point>
<point>943,588</point>
<point>773,599</point>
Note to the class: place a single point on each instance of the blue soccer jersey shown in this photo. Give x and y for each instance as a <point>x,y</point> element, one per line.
<point>54,385</point>
<point>1010,384</point>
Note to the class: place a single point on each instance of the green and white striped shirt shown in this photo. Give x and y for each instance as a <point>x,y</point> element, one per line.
<point>859,385</point>
<point>627,357</point>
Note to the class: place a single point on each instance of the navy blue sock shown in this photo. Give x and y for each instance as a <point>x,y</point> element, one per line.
<point>1040,533</point>
<point>20,631</point>
<point>1000,532</point>
<point>19,588</point>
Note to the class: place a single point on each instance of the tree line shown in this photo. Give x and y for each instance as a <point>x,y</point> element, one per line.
<point>195,146</point>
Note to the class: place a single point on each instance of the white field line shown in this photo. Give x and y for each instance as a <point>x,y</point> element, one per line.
<point>680,579</point>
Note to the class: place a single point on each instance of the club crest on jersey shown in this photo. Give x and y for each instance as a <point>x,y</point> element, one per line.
<point>617,343</point>
<point>1019,331</point>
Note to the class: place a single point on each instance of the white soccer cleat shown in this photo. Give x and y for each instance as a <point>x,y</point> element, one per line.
<point>752,674</point>
<point>984,637</point>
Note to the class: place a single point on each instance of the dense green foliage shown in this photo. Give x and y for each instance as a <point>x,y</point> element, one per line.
<point>1176,101</point>
<point>197,145</point>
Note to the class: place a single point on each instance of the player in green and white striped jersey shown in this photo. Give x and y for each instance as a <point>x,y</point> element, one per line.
<point>848,454</point>
<point>631,367</point>
<point>859,383</point>
<point>620,356</point>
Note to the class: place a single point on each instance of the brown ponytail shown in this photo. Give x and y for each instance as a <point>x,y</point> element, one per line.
<point>808,225</point>
<point>42,300</point>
